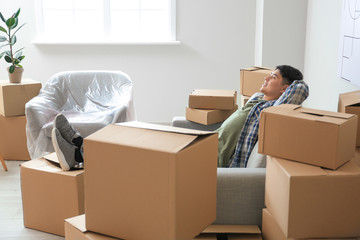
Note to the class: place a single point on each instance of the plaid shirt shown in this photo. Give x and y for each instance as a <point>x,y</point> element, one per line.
<point>296,93</point>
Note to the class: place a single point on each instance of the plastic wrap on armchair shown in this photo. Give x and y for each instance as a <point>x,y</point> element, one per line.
<point>89,99</point>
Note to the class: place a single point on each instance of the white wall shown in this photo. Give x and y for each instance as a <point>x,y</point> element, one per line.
<point>217,39</point>
<point>321,55</point>
<point>284,29</point>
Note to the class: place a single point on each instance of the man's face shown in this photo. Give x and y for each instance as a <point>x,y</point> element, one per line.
<point>273,86</point>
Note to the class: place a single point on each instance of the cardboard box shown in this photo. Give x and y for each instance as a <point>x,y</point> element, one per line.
<point>251,79</point>
<point>356,158</point>
<point>75,229</point>
<point>146,181</point>
<point>13,143</point>
<point>244,100</point>
<point>50,195</point>
<point>231,232</point>
<point>14,96</point>
<point>213,99</point>
<point>321,138</point>
<point>350,103</point>
<point>208,116</point>
<point>311,202</point>
<point>271,230</point>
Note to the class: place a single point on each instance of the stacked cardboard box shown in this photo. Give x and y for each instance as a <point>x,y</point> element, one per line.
<point>251,80</point>
<point>50,195</point>
<point>13,97</point>
<point>350,103</point>
<point>312,181</point>
<point>146,181</point>
<point>211,106</point>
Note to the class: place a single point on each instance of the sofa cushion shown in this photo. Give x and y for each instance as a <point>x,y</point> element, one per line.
<point>256,159</point>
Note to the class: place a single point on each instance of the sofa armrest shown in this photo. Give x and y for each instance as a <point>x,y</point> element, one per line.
<point>240,196</point>
<point>183,123</point>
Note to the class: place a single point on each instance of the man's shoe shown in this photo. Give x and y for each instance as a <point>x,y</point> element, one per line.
<point>65,129</point>
<point>65,151</point>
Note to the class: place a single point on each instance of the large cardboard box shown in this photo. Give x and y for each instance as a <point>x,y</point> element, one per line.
<point>213,99</point>
<point>14,96</point>
<point>208,116</point>
<point>13,144</point>
<point>271,230</point>
<point>317,137</point>
<point>75,229</point>
<point>251,79</point>
<point>350,103</point>
<point>311,202</point>
<point>50,195</point>
<point>146,181</point>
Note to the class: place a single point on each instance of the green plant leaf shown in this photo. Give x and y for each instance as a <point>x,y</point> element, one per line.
<point>18,29</point>
<point>15,24</point>
<point>8,53</point>
<point>19,65</point>
<point>3,29</point>
<point>17,13</point>
<point>21,58</point>
<point>11,68</point>
<point>2,18</point>
<point>3,39</point>
<point>18,54</point>
<point>10,22</point>
<point>2,54</point>
<point>13,40</point>
<point>8,59</point>
<point>16,61</point>
<point>18,50</point>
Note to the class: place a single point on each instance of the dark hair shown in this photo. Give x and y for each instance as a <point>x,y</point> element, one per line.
<point>289,74</point>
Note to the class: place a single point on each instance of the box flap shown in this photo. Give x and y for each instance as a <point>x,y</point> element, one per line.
<point>52,157</point>
<point>255,68</point>
<point>147,136</point>
<point>42,164</point>
<point>213,92</point>
<point>321,113</point>
<point>164,128</point>
<point>78,222</point>
<point>350,98</point>
<point>232,229</point>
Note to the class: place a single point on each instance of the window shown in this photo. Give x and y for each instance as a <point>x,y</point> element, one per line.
<point>107,20</point>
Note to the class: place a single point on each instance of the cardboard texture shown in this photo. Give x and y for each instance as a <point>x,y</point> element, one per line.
<point>350,103</point>
<point>13,144</point>
<point>251,79</point>
<point>146,183</point>
<point>14,96</point>
<point>311,202</point>
<point>75,230</point>
<point>208,116</point>
<point>356,158</point>
<point>213,99</point>
<point>231,232</point>
<point>316,137</point>
<point>271,230</point>
<point>50,195</point>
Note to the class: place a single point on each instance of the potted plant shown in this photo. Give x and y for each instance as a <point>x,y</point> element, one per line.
<point>11,56</point>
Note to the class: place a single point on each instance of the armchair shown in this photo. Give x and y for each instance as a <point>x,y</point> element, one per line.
<point>89,99</point>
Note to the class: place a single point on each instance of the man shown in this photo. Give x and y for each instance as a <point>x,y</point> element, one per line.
<point>237,135</point>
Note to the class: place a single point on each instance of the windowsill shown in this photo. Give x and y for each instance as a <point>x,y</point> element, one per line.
<point>57,43</point>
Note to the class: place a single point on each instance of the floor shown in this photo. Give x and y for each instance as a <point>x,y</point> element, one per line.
<point>11,215</point>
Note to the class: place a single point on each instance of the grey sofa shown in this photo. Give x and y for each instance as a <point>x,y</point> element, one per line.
<point>240,191</point>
